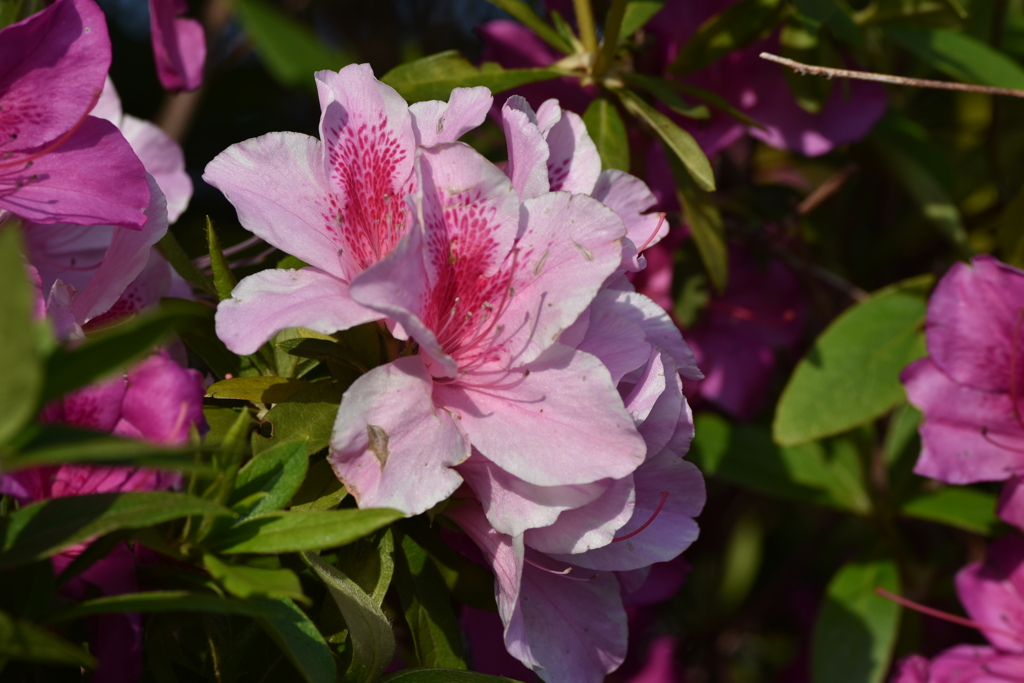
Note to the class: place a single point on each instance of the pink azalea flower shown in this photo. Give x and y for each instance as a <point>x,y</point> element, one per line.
<point>179,45</point>
<point>108,272</point>
<point>57,163</point>
<point>337,204</point>
<point>660,666</point>
<point>968,387</point>
<point>993,595</point>
<point>484,285</point>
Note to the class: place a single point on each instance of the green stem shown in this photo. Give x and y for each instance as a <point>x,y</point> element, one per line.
<point>612,29</point>
<point>585,23</point>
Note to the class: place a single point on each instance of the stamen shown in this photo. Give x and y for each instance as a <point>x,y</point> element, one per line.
<point>939,614</point>
<point>664,497</point>
<point>661,219</point>
<point>59,141</point>
<point>986,437</point>
<point>565,572</point>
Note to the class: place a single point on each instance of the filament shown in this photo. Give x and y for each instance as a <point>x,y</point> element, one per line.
<point>939,614</point>
<point>664,497</point>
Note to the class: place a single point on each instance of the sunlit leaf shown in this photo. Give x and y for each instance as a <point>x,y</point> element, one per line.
<point>638,13</point>
<point>434,77</point>
<point>257,389</point>
<point>957,506</point>
<point>287,532</point>
<point>309,414</point>
<point>959,55</point>
<point>223,279</point>
<point>705,221</point>
<point>22,379</point>
<point>247,582</point>
<point>277,472</point>
<point>524,14</point>
<point>608,132</point>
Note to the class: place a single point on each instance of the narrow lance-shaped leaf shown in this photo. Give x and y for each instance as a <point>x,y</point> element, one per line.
<point>666,92</point>
<point>183,265</point>
<point>257,389</point>
<point>24,641</point>
<point>638,13</point>
<point>310,415</point>
<point>734,28</point>
<point>851,374</point>
<point>248,582</point>
<point>276,473</point>
<point>856,629</point>
<point>959,55</point>
<point>524,14</point>
<point>288,532</point>
<point>223,279</point>
<point>428,608</point>
<point>608,133</point>
<point>200,335</point>
<point>956,506</point>
<point>677,140</point>
<point>434,77</point>
<point>706,226</point>
<point>22,379</point>
<point>373,642</point>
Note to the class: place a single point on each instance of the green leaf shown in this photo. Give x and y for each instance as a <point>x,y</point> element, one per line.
<point>223,279</point>
<point>107,352</point>
<point>665,92</point>
<point>736,27</point>
<point>278,472</point>
<point>247,582</point>
<point>320,490</point>
<point>309,414</point>
<point>468,582</point>
<point>285,623</point>
<point>370,563</point>
<point>22,380</point>
<point>1010,229</point>
<point>434,77</point>
<point>956,506</point>
<point>441,676</point>
<point>257,389</point>
<point>525,15</point>
<point>706,225</point>
<point>183,265</point>
<point>799,41</point>
<point>428,609</point>
<point>200,335</point>
<point>716,101</point>
<point>675,139</point>
<point>45,528</point>
<point>852,373</point>
<point>24,641</point>
<point>373,642</point>
<point>288,532</point>
<point>290,50</point>
<point>638,13</point>
<point>828,473</point>
<point>959,55</point>
<point>856,629</point>
<point>59,445</point>
<point>608,133</point>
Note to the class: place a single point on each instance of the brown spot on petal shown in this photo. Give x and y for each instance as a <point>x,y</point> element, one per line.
<point>378,445</point>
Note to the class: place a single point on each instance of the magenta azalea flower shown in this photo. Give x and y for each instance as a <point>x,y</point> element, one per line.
<point>57,163</point>
<point>338,204</point>
<point>969,386</point>
<point>179,45</point>
<point>484,285</point>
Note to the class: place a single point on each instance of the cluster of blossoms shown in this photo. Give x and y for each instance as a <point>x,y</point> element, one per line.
<point>530,381</point>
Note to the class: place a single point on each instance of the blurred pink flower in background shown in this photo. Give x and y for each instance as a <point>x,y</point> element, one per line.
<point>57,163</point>
<point>179,45</point>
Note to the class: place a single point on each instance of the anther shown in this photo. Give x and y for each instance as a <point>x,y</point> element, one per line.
<point>664,497</point>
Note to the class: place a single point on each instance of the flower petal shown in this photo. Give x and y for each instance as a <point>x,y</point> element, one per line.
<point>179,45</point>
<point>435,121</point>
<point>271,300</point>
<point>163,159</point>
<point>527,150</point>
<point>573,162</point>
<point>993,592</point>
<point>589,526</point>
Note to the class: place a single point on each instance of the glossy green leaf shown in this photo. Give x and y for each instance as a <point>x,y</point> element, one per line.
<point>107,352</point>
<point>42,529</point>
<point>468,582</point>
<point>320,490</point>
<point>608,132</point>
<point>290,50</point>
<point>285,623</point>
<point>370,563</point>
<point>638,13</point>
<point>667,94</point>
<point>734,28</point>
<point>223,279</point>
<point>856,629</point>
<point>428,608</point>
<point>524,14</point>
<point>277,472</point>
<point>22,380</point>
<point>434,77</point>
<point>852,373</point>
<point>441,676</point>
<point>373,642</point>
<point>956,506</point>
<point>257,389</point>
<point>681,143</point>
<point>288,532</point>
<point>959,55</point>
<point>828,473</point>
<point>24,641</point>
<point>309,414</point>
<point>247,582</point>
<point>705,221</point>
<point>183,265</point>
<point>58,445</point>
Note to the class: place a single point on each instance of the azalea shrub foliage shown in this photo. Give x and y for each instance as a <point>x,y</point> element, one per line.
<point>481,341</point>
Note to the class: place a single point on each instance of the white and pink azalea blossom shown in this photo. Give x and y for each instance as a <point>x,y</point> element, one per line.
<point>105,271</point>
<point>337,203</point>
<point>482,287</point>
<point>58,164</point>
<point>550,150</point>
